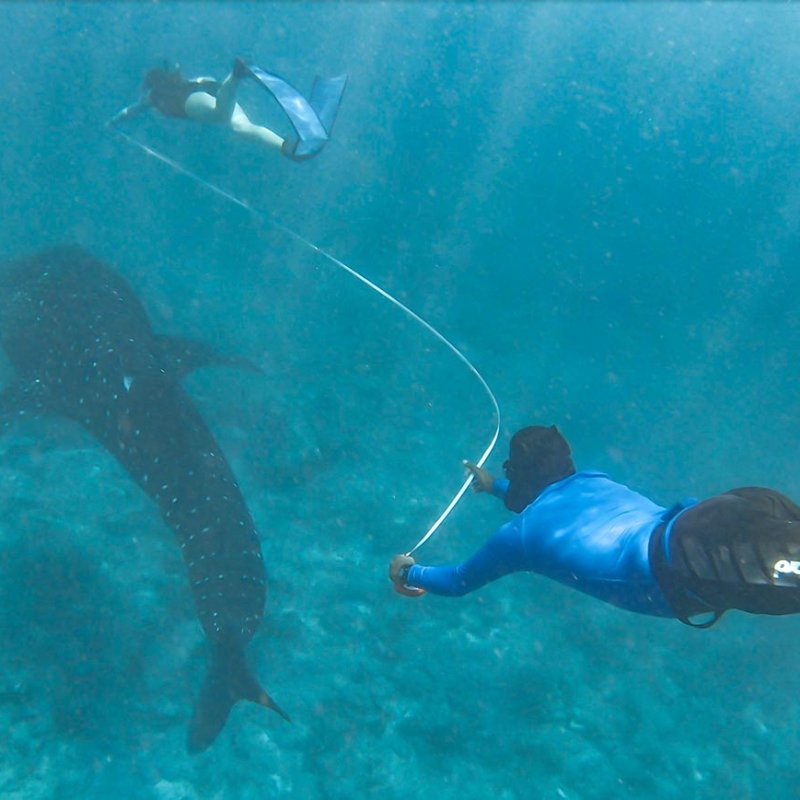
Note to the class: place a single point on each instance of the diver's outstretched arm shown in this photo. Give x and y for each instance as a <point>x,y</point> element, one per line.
<point>131,111</point>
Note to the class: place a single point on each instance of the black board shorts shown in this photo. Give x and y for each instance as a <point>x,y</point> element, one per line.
<point>740,549</point>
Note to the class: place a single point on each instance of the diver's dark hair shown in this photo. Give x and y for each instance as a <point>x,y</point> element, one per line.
<point>164,76</point>
<point>538,456</point>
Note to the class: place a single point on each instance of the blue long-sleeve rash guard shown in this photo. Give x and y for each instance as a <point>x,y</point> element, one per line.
<point>585,531</point>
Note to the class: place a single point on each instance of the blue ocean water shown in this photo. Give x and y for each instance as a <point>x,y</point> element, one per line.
<point>599,204</point>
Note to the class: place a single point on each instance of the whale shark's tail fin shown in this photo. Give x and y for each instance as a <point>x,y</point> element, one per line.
<point>228,680</point>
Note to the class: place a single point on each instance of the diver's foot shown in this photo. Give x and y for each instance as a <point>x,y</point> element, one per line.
<point>240,69</point>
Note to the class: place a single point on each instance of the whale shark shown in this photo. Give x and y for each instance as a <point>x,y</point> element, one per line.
<point>81,346</point>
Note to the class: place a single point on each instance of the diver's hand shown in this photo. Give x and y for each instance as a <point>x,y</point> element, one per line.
<point>482,481</point>
<point>142,104</point>
<point>118,117</point>
<point>398,574</point>
<point>399,567</point>
<point>125,114</point>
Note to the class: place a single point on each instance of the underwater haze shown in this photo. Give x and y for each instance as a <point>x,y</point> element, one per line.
<point>599,204</point>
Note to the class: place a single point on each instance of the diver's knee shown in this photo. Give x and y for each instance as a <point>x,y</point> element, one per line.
<point>240,126</point>
<point>239,120</point>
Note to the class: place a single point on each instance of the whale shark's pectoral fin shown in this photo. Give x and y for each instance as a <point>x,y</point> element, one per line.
<point>182,356</point>
<point>19,400</point>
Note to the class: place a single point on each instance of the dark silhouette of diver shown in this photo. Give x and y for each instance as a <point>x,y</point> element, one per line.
<point>737,550</point>
<point>208,101</point>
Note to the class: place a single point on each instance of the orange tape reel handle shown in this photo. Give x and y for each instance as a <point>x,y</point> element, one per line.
<point>408,591</point>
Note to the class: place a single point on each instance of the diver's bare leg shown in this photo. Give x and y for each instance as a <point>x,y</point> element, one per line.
<point>241,124</point>
<point>226,98</point>
<point>203,107</point>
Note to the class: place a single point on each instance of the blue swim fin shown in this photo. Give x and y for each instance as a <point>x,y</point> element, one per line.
<point>312,120</point>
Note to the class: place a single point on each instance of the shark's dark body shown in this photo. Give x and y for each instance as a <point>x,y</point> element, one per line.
<point>82,346</point>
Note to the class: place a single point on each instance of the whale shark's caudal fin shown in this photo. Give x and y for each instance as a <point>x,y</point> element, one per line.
<point>228,680</point>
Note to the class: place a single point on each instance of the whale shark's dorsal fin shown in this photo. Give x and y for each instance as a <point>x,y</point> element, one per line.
<point>182,356</point>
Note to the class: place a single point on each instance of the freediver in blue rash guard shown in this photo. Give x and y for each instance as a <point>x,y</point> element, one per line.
<point>740,549</point>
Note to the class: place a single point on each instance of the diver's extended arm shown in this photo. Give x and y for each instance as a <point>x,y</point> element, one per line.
<point>131,111</point>
<point>501,555</point>
<point>483,481</point>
